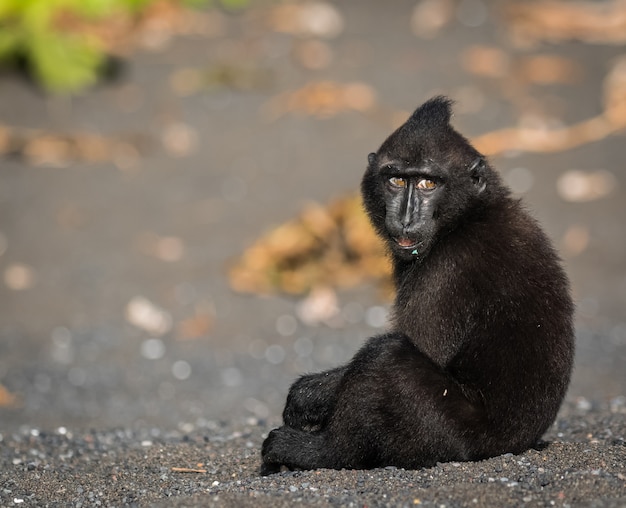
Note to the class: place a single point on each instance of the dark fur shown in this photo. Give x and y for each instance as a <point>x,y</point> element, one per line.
<point>481,348</point>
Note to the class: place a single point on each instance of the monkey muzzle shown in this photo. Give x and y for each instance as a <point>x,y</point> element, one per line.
<point>406,243</point>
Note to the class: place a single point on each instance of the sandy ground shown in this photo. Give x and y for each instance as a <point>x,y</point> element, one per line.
<point>581,463</point>
<point>97,411</point>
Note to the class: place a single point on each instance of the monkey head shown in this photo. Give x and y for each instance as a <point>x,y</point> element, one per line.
<point>424,179</point>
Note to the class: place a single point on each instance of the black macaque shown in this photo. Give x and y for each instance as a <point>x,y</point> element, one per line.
<point>481,345</point>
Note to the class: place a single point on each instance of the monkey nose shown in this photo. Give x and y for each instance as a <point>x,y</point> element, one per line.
<point>407,227</point>
<point>406,222</point>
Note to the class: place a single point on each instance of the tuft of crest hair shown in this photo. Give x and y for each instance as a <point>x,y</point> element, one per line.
<point>434,113</point>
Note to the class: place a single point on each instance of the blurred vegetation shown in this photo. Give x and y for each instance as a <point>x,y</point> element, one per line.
<point>41,36</point>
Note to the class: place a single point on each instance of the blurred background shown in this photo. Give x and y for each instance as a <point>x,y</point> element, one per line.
<point>180,236</point>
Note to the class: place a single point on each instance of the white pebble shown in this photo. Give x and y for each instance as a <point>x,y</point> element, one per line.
<point>275,354</point>
<point>152,349</point>
<point>231,376</point>
<point>577,186</point>
<point>286,325</point>
<point>260,409</point>
<point>376,316</point>
<point>303,347</point>
<point>583,404</point>
<point>181,370</point>
<point>144,314</point>
<point>520,180</point>
<point>353,312</point>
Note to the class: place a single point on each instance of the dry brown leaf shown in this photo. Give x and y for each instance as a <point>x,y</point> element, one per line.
<point>323,99</point>
<point>331,246</point>
<point>576,186</point>
<point>596,22</point>
<point>544,139</point>
<point>152,27</point>
<point>91,148</point>
<point>194,327</point>
<point>5,139</point>
<point>7,399</point>
<point>575,240</point>
<point>486,61</point>
<point>19,277</point>
<point>48,150</point>
<point>546,69</point>
<point>318,220</point>
<point>179,139</point>
<point>429,17</point>
<point>165,248</point>
<point>312,54</point>
<point>615,94</point>
<point>310,19</point>
<point>64,149</point>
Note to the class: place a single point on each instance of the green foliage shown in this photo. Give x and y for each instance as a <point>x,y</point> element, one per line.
<point>62,62</point>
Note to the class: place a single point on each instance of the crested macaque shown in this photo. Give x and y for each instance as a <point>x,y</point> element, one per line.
<point>480,348</point>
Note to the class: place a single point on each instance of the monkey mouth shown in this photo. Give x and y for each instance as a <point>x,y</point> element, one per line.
<point>405,243</point>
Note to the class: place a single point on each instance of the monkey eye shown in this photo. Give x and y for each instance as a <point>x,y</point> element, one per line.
<point>397,181</point>
<point>426,184</point>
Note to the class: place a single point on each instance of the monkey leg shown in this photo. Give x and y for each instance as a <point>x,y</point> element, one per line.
<point>394,407</point>
<point>397,407</point>
<point>311,400</point>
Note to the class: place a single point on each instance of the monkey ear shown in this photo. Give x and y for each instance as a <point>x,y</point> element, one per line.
<point>372,158</point>
<point>477,170</point>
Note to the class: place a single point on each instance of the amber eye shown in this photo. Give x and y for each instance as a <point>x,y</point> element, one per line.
<point>397,181</point>
<point>426,184</point>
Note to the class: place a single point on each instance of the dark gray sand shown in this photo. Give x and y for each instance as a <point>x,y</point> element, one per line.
<point>582,462</point>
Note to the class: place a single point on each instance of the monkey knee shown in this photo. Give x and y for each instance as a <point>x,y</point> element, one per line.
<point>309,402</point>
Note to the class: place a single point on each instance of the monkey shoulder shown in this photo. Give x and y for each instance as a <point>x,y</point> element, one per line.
<point>504,239</point>
<point>498,276</point>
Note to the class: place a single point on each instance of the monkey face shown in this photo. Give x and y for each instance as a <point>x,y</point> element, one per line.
<point>411,196</point>
<point>424,179</point>
<point>413,204</point>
